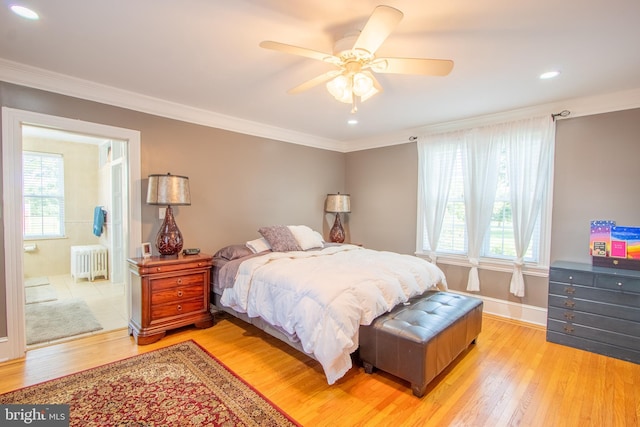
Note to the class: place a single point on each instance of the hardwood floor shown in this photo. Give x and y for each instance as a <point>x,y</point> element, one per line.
<point>511,377</point>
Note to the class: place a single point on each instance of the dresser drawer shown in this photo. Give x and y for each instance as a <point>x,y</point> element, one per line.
<point>595,321</point>
<point>571,276</point>
<point>161,311</point>
<point>594,294</point>
<point>177,295</point>
<point>595,334</point>
<point>162,283</point>
<point>595,307</point>
<point>594,346</point>
<point>622,284</point>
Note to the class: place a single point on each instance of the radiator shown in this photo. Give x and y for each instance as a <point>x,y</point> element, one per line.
<point>89,262</point>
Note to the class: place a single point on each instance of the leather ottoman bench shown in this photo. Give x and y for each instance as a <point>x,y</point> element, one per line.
<point>417,340</point>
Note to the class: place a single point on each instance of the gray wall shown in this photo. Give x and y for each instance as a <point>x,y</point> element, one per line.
<point>238,182</point>
<point>596,177</point>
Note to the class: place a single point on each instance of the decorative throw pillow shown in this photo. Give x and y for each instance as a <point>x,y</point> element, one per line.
<point>280,238</point>
<point>258,245</point>
<point>306,237</point>
<point>232,252</point>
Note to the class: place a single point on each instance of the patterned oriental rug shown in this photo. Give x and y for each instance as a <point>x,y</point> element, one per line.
<point>180,385</point>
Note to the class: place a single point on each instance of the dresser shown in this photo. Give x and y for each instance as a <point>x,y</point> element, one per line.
<point>595,309</point>
<point>168,293</point>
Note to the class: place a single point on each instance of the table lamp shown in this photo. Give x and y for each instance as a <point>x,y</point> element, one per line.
<point>337,203</point>
<point>170,190</point>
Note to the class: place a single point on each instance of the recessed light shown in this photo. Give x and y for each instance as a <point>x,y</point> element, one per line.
<point>352,121</point>
<point>550,74</point>
<point>24,12</point>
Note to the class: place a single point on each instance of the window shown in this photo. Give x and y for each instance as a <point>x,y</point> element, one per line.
<point>497,178</point>
<point>43,195</point>
<point>499,242</point>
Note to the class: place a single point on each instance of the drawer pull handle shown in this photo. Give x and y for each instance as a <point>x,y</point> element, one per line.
<point>568,329</point>
<point>569,304</point>
<point>570,277</point>
<point>199,264</point>
<point>158,269</point>
<point>179,308</point>
<point>570,291</point>
<point>179,293</point>
<point>568,316</point>
<point>180,281</point>
<point>620,284</point>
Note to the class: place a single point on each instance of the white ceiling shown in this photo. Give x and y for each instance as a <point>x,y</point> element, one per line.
<point>203,56</point>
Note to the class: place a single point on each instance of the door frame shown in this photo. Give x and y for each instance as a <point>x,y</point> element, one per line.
<point>13,346</point>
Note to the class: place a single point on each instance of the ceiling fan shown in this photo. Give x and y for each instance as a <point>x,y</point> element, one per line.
<point>354,56</point>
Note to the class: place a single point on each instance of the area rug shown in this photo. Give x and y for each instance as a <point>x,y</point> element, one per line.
<point>43,293</point>
<point>179,385</point>
<point>48,321</point>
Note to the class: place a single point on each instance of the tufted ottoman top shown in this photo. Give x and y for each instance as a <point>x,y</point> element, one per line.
<point>423,317</point>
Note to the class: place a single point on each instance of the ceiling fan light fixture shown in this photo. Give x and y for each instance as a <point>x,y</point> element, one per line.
<point>362,84</point>
<point>339,88</point>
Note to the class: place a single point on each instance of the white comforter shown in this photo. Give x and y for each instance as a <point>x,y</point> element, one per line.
<point>324,296</point>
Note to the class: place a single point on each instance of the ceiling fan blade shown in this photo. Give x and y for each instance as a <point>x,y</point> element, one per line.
<point>314,82</point>
<point>300,51</point>
<point>430,67</point>
<point>381,23</point>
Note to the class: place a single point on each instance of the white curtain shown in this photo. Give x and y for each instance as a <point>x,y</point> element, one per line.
<point>480,163</point>
<point>436,157</point>
<point>527,140</point>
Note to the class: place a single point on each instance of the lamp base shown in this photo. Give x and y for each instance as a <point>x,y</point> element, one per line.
<point>169,239</point>
<point>336,235</point>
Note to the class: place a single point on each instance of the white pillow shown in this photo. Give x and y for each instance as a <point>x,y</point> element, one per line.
<point>258,245</point>
<point>306,237</point>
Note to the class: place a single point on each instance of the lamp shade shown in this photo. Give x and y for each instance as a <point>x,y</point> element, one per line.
<point>337,203</point>
<point>168,190</point>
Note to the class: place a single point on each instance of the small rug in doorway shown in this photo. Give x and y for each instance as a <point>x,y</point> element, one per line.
<point>179,385</point>
<point>48,321</point>
<point>36,281</point>
<point>36,294</point>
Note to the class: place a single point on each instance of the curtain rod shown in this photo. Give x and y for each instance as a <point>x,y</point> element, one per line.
<point>563,113</point>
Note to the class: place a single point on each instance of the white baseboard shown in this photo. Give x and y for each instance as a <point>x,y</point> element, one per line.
<point>512,310</point>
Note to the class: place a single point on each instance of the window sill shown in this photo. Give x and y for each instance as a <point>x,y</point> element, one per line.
<point>492,264</point>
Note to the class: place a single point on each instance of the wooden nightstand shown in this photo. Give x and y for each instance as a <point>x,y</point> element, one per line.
<point>168,293</point>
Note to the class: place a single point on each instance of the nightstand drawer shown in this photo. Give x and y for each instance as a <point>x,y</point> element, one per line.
<point>163,283</point>
<point>176,309</point>
<point>170,267</point>
<point>177,295</point>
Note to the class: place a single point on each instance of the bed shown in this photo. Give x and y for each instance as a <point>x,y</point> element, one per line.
<point>315,295</point>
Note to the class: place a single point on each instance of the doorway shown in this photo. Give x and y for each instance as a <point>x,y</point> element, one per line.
<point>73,268</point>
<point>128,173</point>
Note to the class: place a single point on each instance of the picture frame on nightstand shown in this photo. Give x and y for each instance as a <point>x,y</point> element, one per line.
<point>146,250</point>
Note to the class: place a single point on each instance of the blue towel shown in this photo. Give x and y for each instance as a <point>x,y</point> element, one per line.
<point>98,220</point>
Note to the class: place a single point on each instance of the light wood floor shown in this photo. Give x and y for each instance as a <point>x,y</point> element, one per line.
<point>511,377</point>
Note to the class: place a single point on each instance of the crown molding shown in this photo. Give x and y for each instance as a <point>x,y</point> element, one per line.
<point>38,78</point>
<point>585,106</point>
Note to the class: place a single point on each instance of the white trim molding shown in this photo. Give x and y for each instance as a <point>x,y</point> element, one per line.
<point>25,75</point>
<point>14,344</point>
<point>511,310</point>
